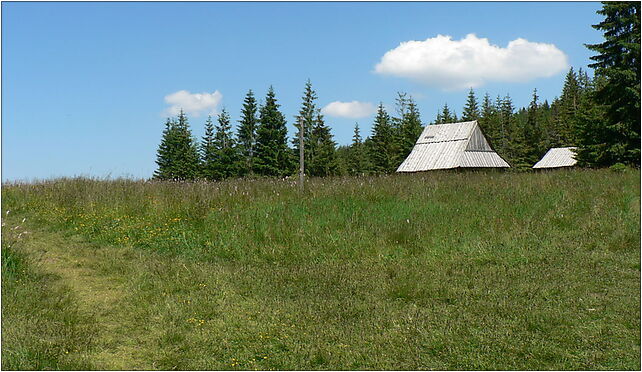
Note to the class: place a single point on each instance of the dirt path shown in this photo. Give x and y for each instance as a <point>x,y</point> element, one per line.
<point>88,271</point>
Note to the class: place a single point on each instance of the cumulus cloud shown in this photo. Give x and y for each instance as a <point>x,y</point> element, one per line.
<point>471,61</point>
<point>353,110</point>
<point>193,103</point>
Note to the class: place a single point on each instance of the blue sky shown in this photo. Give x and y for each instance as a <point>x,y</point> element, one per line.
<point>85,84</point>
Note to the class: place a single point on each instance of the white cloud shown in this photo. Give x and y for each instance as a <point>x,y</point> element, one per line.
<point>471,61</point>
<point>193,103</point>
<point>353,110</point>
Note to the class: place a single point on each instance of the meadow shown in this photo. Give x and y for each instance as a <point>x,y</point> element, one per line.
<point>442,270</point>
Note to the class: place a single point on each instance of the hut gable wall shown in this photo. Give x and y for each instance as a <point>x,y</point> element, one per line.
<point>477,141</point>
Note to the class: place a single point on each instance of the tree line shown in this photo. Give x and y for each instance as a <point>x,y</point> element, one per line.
<point>599,115</point>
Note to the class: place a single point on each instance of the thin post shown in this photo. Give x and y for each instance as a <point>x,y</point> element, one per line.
<point>301,165</point>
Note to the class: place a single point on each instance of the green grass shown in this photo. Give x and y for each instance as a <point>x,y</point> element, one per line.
<point>40,327</point>
<point>452,270</point>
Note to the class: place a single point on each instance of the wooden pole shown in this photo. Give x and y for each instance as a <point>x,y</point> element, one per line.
<point>301,152</point>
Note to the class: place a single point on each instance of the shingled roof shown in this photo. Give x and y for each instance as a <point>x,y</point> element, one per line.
<point>453,145</point>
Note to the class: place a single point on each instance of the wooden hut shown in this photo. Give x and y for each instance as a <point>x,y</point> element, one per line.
<point>557,157</point>
<point>454,145</point>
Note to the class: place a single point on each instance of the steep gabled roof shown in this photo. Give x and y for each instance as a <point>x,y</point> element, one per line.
<point>454,145</point>
<point>557,157</point>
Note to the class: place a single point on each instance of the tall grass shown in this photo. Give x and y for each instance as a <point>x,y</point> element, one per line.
<point>473,270</point>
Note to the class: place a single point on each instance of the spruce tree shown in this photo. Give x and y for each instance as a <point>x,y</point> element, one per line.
<point>445,116</point>
<point>358,160</point>
<point>307,118</point>
<point>272,156</point>
<point>208,152</point>
<point>381,145</point>
<point>165,153</point>
<point>410,130</point>
<point>488,121</point>
<point>569,101</point>
<point>618,61</point>
<point>471,109</point>
<point>177,156</point>
<point>533,132</point>
<point>591,126</point>
<point>246,134</point>
<point>511,135</point>
<point>188,161</point>
<point>225,165</point>
<point>323,160</point>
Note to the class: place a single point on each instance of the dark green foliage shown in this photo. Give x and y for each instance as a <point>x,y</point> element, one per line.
<point>246,134</point>
<point>225,164</point>
<point>533,132</point>
<point>409,128</point>
<point>308,118</point>
<point>445,116</point>
<point>471,109</point>
<point>273,157</point>
<point>592,128</point>
<point>381,146</point>
<point>208,152</point>
<point>358,156</point>
<point>488,121</point>
<point>568,104</point>
<point>323,161</point>
<point>618,61</point>
<point>177,156</point>
<point>512,125</point>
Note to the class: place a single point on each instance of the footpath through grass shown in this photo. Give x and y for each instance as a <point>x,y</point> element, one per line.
<point>434,271</point>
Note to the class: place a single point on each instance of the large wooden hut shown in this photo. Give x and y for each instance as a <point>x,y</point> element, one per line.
<point>454,145</point>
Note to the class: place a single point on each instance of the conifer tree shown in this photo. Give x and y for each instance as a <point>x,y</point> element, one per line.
<point>208,152</point>
<point>533,132</point>
<point>358,161</point>
<point>569,101</point>
<point>323,161</point>
<point>226,160</point>
<point>165,153</point>
<point>381,145</point>
<point>591,125</point>
<point>618,61</point>
<point>177,156</point>
<point>445,116</point>
<point>511,135</point>
<point>246,134</point>
<point>272,156</point>
<point>410,130</point>
<point>306,117</point>
<point>488,120</point>
<point>471,109</point>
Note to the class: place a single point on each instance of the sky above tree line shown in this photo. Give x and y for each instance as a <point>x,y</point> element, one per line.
<point>87,86</point>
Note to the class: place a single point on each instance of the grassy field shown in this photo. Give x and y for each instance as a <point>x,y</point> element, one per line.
<point>452,270</point>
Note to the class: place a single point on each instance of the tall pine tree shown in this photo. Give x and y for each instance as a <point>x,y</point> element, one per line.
<point>323,160</point>
<point>409,130</point>
<point>533,132</point>
<point>445,116</point>
<point>618,61</point>
<point>273,157</point>
<point>381,143</point>
<point>208,152</point>
<point>226,160</point>
<point>177,156</point>
<point>306,118</point>
<point>471,109</point>
<point>246,134</point>
<point>358,160</point>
